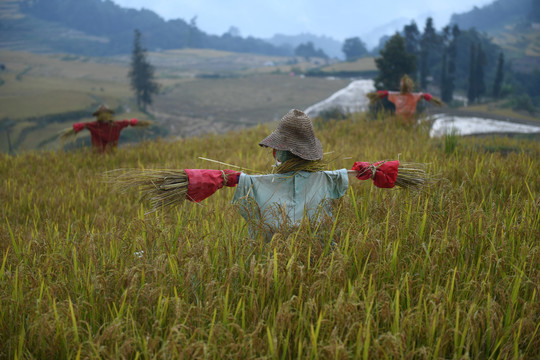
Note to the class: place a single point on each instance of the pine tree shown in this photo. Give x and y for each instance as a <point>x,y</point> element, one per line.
<point>448,69</point>
<point>427,44</point>
<point>394,63</point>
<point>497,84</point>
<point>471,90</point>
<point>445,94</point>
<point>452,59</point>
<point>479,73</point>
<point>412,41</point>
<point>141,74</point>
<point>354,48</point>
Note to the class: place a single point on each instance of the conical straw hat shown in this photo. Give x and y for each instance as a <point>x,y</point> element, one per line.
<point>295,134</point>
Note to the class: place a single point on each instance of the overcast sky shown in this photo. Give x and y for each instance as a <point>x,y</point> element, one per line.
<point>339,19</point>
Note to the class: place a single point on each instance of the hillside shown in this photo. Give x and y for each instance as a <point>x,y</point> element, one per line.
<point>202,91</point>
<point>513,25</point>
<point>494,17</point>
<point>450,272</point>
<point>102,28</point>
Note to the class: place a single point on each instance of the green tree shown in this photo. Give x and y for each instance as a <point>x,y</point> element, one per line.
<point>471,89</point>
<point>428,42</point>
<point>448,68</point>
<point>307,50</point>
<point>477,63</point>
<point>445,93</point>
<point>394,63</point>
<point>354,48</point>
<point>412,38</point>
<point>141,74</point>
<point>497,84</point>
<point>479,72</point>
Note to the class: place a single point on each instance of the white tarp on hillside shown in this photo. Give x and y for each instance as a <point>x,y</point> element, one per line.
<point>347,100</point>
<point>444,124</point>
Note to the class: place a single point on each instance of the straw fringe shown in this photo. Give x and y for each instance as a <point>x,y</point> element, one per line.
<point>162,187</point>
<point>68,134</point>
<point>413,175</point>
<point>373,97</point>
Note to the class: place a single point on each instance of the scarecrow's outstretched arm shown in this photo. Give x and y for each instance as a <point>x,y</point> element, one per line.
<point>205,182</point>
<point>375,96</point>
<point>172,187</point>
<point>71,133</point>
<point>137,122</point>
<point>383,173</point>
<point>387,174</point>
<point>140,123</point>
<point>432,99</point>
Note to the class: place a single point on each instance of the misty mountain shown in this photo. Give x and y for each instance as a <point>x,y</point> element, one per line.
<point>493,18</point>
<point>330,46</point>
<point>373,38</point>
<point>100,28</point>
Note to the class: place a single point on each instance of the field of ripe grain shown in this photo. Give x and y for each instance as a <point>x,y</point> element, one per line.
<point>447,273</point>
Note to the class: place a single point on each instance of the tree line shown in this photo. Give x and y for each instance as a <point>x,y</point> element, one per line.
<point>454,60</point>
<point>106,19</point>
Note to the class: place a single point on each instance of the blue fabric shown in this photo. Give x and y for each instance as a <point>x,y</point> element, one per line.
<point>269,202</point>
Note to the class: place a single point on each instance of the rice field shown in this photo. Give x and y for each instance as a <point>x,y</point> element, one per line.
<point>451,272</point>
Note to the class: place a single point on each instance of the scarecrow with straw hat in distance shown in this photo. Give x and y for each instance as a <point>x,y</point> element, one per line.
<point>405,100</point>
<point>105,131</point>
<point>299,188</point>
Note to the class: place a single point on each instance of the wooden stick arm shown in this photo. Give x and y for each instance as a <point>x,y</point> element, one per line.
<point>352,174</point>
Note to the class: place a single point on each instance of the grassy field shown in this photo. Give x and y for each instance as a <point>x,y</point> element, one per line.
<point>363,64</point>
<point>447,273</point>
<point>239,90</point>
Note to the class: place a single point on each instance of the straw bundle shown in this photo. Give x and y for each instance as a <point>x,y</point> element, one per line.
<point>162,187</point>
<point>412,175</point>
<point>436,101</point>
<point>373,97</point>
<point>68,134</point>
<point>298,164</point>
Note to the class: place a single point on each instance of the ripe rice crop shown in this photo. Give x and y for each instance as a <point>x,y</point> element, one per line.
<point>449,272</point>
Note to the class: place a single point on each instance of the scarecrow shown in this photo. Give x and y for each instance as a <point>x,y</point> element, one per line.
<point>105,131</point>
<point>405,100</point>
<point>299,188</point>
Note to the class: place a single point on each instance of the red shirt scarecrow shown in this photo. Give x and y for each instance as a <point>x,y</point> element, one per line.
<point>105,131</point>
<point>405,100</point>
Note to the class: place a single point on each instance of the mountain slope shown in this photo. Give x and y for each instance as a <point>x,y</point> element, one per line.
<point>96,27</point>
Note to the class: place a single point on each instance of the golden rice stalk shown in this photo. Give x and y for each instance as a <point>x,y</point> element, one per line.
<point>162,187</point>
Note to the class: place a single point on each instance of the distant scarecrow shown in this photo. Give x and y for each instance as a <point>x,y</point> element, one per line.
<point>299,189</point>
<point>405,100</point>
<point>105,131</point>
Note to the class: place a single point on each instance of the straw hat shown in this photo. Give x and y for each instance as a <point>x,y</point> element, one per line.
<point>295,134</point>
<point>102,108</point>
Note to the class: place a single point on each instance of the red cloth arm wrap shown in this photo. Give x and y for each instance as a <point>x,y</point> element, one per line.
<point>428,97</point>
<point>78,127</point>
<point>205,182</point>
<point>385,174</point>
<point>133,122</point>
<point>382,93</point>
